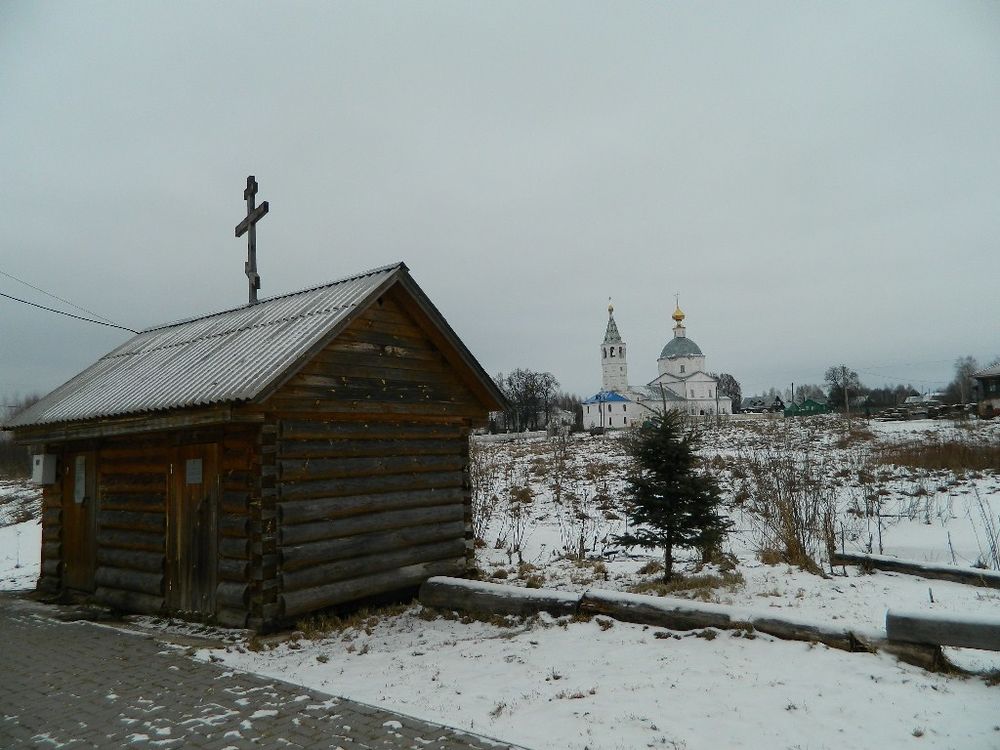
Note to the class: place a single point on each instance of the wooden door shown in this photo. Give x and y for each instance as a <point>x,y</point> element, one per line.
<point>192,529</point>
<point>79,521</point>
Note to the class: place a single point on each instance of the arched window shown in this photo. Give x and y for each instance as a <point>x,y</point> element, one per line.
<point>612,351</point>
<point>605,353</point>
<point>621,349</point>
<point>682,368</point>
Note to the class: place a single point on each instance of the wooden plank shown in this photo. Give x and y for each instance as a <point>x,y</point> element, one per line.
<point>356,448</point>
<point>340,570</point>
<point>304,490</point>
<point>354,430</point>
<point>970,576</point>
<point>943,630</point>
<point>385,521</point>
<point>141,502</point>
<point>320,597</point>
<point>365,466</point>
<point>380,389</point>
<point>141,582</point>
<point>302,511</point>
<point>150,562</point>
<point>333,362</point>
<point>300,556</point>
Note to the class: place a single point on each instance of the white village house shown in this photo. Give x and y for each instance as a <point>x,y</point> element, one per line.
<point>682,384</point>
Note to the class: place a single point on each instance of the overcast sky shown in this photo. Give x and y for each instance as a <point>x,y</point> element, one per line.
<point>819,181</point>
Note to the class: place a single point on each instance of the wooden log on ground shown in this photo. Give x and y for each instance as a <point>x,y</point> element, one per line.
<point>150,562</point>
<point>320,597</point>
<point>936,629</point>
<point>386,521</point>
<point>970,576</point>
<point>302,511</point>
<point>675,614</point>
<point>130,580</point>
<point>319,575</point>
<point>492,598</point>
<point>130,601</point>
<point>327,550</point>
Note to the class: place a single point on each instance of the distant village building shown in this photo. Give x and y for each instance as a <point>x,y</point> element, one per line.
<point>762,405</point>
<point>682,384</point>
<point>988,383</point>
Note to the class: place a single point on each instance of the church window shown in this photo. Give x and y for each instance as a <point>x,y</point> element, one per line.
<point>605,353</point>
<point>588,410</point>
<point>624,407</point>
<point>682,368</point>
<point>624,420</point>
<point>620,350</point>
<point>612,351</point>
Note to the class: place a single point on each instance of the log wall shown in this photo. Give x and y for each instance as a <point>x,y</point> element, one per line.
<point>371,465</point>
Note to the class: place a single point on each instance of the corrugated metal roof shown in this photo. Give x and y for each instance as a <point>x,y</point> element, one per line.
<point>988,372</point>
<point>225,357</point>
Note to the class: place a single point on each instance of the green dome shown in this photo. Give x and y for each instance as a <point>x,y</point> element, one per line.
<point>680,346</point>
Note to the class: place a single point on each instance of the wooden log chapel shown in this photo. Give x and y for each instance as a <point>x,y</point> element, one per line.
<point>258,464</point>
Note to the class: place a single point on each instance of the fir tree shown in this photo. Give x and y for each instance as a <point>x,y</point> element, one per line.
<point>671,504</point>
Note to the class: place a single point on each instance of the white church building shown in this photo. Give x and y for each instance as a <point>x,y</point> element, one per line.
<point>682,384</point>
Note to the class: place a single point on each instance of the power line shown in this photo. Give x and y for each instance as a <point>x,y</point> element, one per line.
<point>55,296</point>
<point>68,315</point>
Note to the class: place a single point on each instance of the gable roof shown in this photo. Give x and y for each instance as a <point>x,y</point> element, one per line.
<point>988,372</point>
<point>237,355</point>
<point>606,396</point>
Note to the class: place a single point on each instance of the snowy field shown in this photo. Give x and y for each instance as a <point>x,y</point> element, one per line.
<point>548,514</point>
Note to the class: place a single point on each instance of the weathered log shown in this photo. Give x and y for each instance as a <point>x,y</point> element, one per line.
<point>130,601</point>
<point>320,597</point>
<point>490,598</point>
<point>944,629</point>
<point>235,503</point>
<point>231,618</point>
<point>51,532</point>
<point>51,516</point>
<point>675,614</point>
<point>150,562</point>
<point>120,519</point>
<point>353,567</point>
<point>362,430</point>
<point>231,569</point>
<point>365,466</point>
<point>304,490</point>
<point>970,576</point>
<point>302,511</point>
<point>234,526</point>
<point>302,449</point>
<point>231,546</point>
<point>385,521</point>
<point>143,502</point>
<point>130,580</point>
<point>51,568</point>
<point>327,550</point>
<point>232,595</point>
<point>51,550</point>
<point>130,539</point>
<point>373,407</point>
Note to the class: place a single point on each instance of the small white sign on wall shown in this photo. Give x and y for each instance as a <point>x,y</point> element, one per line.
<point>192,471</point>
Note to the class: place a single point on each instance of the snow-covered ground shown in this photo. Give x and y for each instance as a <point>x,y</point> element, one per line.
<point>561,683</point>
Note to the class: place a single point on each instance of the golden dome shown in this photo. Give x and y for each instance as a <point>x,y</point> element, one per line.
<point>678,315</point>
<point>611,308</point>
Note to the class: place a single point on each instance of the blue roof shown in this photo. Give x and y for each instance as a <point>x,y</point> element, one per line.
<point>606,396</point>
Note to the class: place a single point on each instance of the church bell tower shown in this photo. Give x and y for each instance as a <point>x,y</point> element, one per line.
<point>614,368</point>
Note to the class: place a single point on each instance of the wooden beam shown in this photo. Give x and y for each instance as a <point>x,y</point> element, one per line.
<point>970,576</point>
<point>943,630</point>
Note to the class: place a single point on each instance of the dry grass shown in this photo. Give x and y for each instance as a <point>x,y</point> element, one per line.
<point>944,455</point>
<point>700,586</point>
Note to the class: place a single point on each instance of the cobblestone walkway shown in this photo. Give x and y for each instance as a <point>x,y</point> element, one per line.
<point>81,685</point>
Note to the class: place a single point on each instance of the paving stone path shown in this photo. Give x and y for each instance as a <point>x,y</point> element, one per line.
<point>84,685</point>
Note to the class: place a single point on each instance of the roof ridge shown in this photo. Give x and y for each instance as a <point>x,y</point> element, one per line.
<point>399,265</point>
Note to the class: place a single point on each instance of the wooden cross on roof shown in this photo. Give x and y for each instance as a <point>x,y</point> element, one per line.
<point>248,226</point>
